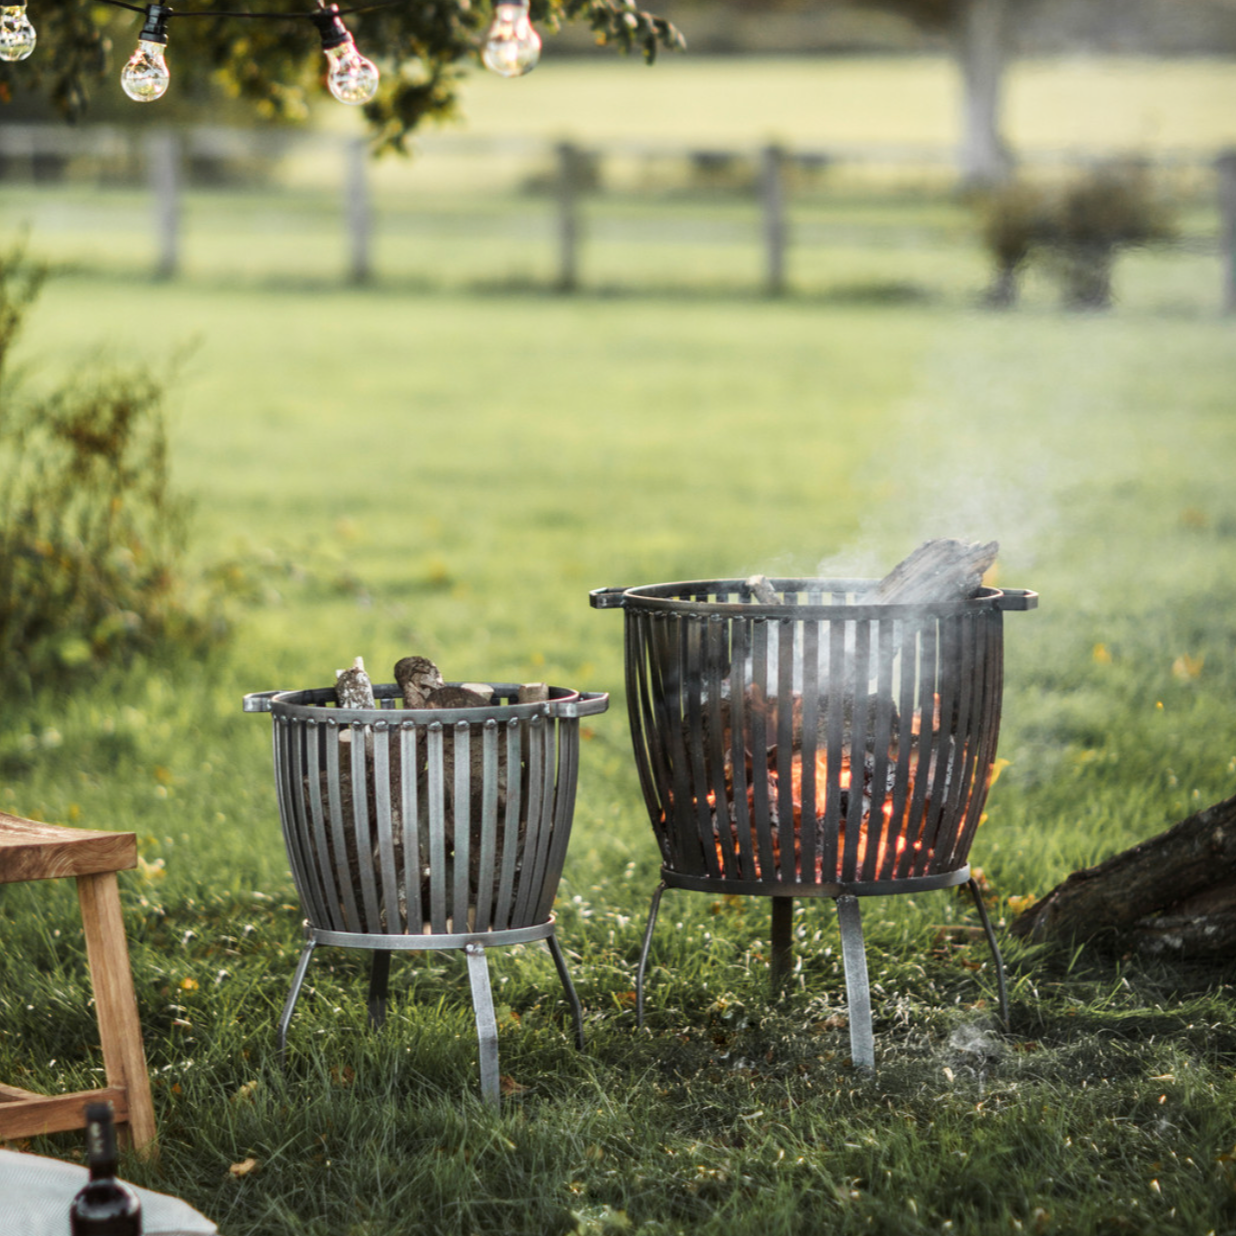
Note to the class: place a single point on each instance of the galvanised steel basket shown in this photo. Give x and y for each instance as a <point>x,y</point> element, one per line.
<point>412,829</point>
<point>818,745</point>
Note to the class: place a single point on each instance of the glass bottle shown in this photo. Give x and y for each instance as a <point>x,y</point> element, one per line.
<point>105,1206</point>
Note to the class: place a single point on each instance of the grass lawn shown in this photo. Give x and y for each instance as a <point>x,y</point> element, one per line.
<point>449,470</point>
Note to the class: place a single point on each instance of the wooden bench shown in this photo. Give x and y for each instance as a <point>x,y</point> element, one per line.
<point>32,851</point>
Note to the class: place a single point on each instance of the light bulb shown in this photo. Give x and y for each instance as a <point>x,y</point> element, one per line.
<point>351,78</point>
<point>512,46</point>
<point>17,36</point>
<point>146,78</point>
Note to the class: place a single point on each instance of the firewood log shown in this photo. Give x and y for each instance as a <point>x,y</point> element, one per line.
<point>938,571</point>
<point>1173,894</point>
<point>417,677</point>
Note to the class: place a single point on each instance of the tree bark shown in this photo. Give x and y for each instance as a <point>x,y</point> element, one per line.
<point>981,37</point>
<point>1172,894</point>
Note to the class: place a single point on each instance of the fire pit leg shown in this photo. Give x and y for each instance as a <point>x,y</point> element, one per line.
<point>781,959</point>
<point>285,1018</point>
<point>577,1009</point>
<point>486,1022</point>
<point>858,993</point>
<point>995,952</point>
<point>643,955</point>
<point>379,973</point>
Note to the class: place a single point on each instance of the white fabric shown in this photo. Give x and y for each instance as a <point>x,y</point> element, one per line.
<point>35,1194</point>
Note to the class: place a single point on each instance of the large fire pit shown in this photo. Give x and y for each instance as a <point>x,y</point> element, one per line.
<point>813,744</point>
<point>441,828</point>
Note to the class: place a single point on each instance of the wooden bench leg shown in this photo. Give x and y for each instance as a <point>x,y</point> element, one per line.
<point>120,1032</point>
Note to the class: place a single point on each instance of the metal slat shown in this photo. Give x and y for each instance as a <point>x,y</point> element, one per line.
<point>926,709</point>
<point>567,741</point>
<point>809,839</point>
<point>385,825</point>
<point>718,668</point>
<point>908,655</point>
<point>504,902</point>
<point>461,822</point>
<point>327,871</point>
<point>860,708</point>
<point>534,736</point>
<point>785,748</point>
<point>739,805</point>
<point>835,731</point>
<point>409,757</point>
<point>879,824</point>
<point>486,864</point>
<point>338,832</point>
<point>695,681</point>
<point>757,721</point>
<point>945,745</point>
<point>536,860</point>
<point>438,882</point>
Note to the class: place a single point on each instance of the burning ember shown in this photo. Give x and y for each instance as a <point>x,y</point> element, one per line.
<point>800,789</point>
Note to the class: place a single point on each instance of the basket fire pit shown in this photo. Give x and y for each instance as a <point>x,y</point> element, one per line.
<point>442,828</point>
<point>798,739</point>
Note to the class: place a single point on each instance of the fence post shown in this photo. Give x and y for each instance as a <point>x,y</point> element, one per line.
<point>163,162</point>
<point>570,162</point>
<point>358,207</point>
<point>1225,168</point>
<point>772,198</point>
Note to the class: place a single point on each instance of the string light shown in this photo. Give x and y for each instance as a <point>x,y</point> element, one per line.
<point>146,78</point>
<point>512,46</point>
<point>17,36</point>
<point>351,78</point>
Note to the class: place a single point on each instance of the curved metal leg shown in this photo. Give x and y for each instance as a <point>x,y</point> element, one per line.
<point>577,1009</point>
<point>995,952</point>
<point>643,954</point>
<point>486,1022</point>
<point>379,973</point>
<point>858,993</point>
<point>285,1018</point>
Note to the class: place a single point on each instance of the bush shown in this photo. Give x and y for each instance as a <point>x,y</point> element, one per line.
<point>1078,230</point>
<point>91,537</point>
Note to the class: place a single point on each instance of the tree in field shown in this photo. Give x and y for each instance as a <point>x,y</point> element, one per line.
<point>275,65</point>
<point>979,33</point>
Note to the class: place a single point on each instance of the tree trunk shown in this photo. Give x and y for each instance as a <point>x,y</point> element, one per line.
<point>981,36</point>
<point>1173,894</point>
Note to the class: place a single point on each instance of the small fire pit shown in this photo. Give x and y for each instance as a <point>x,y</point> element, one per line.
<point>441,828</point>
<point>798,739</point>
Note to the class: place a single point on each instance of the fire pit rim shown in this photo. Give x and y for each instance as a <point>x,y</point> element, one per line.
<point>667,598</point>
<point>316,705</point>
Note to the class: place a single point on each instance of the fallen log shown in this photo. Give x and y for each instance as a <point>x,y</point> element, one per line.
<point>1173,894</point>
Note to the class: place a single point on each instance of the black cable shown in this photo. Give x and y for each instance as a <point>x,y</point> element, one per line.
<point>365,8</point>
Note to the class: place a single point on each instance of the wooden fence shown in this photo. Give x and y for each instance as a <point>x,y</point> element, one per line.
<point>162,155</point>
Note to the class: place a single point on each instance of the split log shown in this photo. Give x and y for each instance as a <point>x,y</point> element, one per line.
<point>1174,894</point>
<point>938,571</point>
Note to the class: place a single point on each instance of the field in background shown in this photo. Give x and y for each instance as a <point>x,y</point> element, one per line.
<point>675,204</point>
<point>448,469</point>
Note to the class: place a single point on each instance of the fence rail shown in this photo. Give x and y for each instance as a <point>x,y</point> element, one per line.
<point>159,158</point>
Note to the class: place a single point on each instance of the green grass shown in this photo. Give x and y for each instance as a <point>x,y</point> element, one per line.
<point>450,470</point>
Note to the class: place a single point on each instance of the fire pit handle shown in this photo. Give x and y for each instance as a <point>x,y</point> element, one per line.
<point>588,704</point>
<point>1017,598</point>
<point>259,701</point>
<point>607,598</point>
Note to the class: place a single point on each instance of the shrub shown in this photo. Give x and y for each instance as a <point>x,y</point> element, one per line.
<point>1078,230</point>
<point>91,536</point>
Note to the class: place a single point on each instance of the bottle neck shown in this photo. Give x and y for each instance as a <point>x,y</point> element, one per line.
<point>101,1149</point>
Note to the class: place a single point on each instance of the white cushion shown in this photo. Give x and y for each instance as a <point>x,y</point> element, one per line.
<point>35,1194</point>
